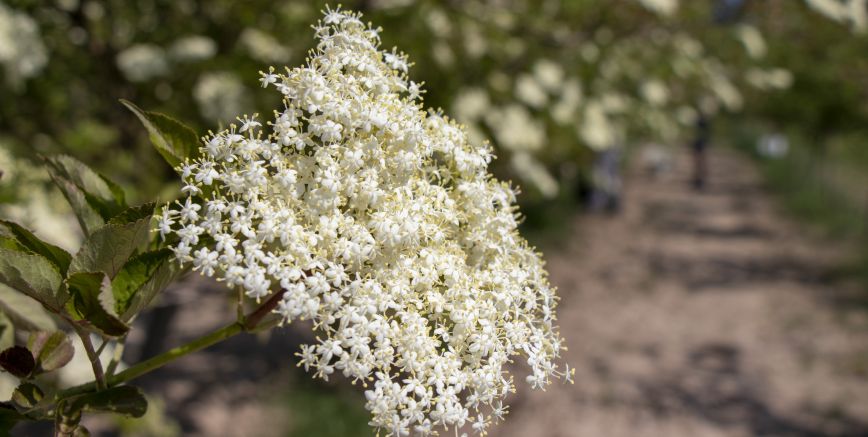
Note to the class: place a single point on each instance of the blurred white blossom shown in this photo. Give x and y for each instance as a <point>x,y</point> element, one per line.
<point>535,172</point>
<point>654,92</point>
<point>752,40</point>
<point>596,128</point>
<point>192,49</point>
<point>220,96</point>
<point>529,91</point>
<point>852,12</point>
<point>443,54</point>
<point>565,109</point>
<point>142,62</point>
<point>515,129</point>
<point>549,74</point>
<point>22,51</point>
<point>769,79</point>
<point>661,7</point>
<point>470,104</point>
<point>263,47</point>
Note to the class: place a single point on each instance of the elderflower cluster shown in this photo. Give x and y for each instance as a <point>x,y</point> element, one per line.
<point>379,222</point>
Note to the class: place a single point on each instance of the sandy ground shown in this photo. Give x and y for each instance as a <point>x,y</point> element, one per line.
<point>700,314</point>
<point>688,314</point>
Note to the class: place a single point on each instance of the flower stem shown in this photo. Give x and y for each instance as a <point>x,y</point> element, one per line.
<point>252,320</point>
<point>117,355</point>
<point>175,353</point>
<point>93,356</point>
<point>249,323</point>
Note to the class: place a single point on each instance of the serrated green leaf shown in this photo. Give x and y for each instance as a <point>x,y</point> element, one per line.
<point>109,247</point>
<point>93,198</point>
<point>26,313</point>
<point>141,279</point>
<point>134,213</point>
<point>93,304</point>
<point>173,140</point>
<point>7,332</point>
<point>125,400</point>
<point>25,237</point>
<point>52,350</point>
<point>18,361</point>
<point>162,277</point>
<point>34,276</point>
<point>27,395</point>
<point>87,215</point>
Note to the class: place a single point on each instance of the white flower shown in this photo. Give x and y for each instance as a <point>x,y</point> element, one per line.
<point>654,92</point>
<point>22,52</point>
<point>193,48</point>
<point>378,221</point>
<point>262,46</point>
<point>661,7</point>
<point>529,91</point>
<point>220,96</point>
<point>142,62</point>
<point>471,104</point>
<point>515,129</point>
<point>597,128</point>
<point>752,40</point>
<point>549,74</point>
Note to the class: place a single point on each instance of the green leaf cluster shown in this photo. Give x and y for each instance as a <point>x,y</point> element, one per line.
<point>115,274</point>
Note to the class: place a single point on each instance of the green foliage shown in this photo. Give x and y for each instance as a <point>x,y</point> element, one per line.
<point>9,416</point>
<point>173,140</point>
<point>125,400</point>
<point>141,279</point>
<point>93,303</point>
<point>52,350</point>
<point>108,247</point>
<point>155,423</point>
<point>33,275</point>
<point>60,258</point>
<point>27,395</point>
<point>93,198</point>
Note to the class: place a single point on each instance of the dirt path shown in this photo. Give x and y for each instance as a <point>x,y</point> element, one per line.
<point>700,314</point>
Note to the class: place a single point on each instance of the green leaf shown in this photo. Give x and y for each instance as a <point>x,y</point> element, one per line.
<point>141,279</point>
<point>109,247</point>
<point>7,331</point>
<point>93,304</point>
<point>52,350</point>
<point>125,400</point>
<point>9,416</point>
<point>27,395</point>
<point>58,256</point>
<point>133,214</point>
<point>26,313</point>
<point>172,139</point>
<point>18,361</point>
<point>34,276</point>
<point>94,198</point>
